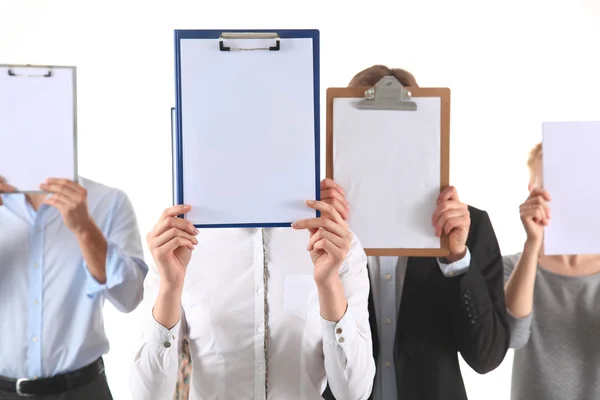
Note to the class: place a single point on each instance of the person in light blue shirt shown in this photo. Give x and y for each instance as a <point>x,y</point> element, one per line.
<point>61,256</point>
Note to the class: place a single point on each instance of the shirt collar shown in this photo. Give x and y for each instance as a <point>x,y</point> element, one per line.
<point>17,204</point>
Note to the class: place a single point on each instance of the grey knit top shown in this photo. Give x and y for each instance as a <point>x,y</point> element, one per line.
<point>557,346</point>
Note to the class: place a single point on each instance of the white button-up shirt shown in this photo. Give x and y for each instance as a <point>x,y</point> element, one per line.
<point>250,312</point>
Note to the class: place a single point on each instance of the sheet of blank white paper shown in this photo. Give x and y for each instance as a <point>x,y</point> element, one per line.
<point>388,163</point>
<point>37,126</point>
<point>248,132</point>
<point>570,165</point>
<point>174,153</point>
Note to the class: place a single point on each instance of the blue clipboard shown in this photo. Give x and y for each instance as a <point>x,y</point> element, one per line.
<point>178,138</point>
<point>174,154</point>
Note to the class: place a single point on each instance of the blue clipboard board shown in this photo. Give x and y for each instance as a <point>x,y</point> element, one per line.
<point>180,139</point>
<point>175,187</point>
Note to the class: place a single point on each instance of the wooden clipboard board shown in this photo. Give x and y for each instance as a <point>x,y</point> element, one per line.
<point>360,93</point>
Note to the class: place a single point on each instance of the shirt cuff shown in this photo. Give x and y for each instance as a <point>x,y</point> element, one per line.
<point>157,335</point>
<point>116,272</point>
<point>458,267</point>
<point>339,333</point>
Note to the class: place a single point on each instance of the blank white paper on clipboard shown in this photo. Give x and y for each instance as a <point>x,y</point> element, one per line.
<point>248,132</point>
<point>37,125</point>
<point>570,165</point>
<point>388,163</point>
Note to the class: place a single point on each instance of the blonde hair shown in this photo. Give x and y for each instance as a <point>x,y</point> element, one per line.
<point>534,162</point>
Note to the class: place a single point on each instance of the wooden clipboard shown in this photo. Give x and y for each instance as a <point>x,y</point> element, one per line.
<point>361,93</point>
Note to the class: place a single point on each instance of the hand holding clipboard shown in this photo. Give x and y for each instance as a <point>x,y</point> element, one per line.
<point>5,188</point>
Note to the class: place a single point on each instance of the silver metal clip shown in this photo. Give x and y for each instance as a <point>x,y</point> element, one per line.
<point>249,35</point>
<point>387,94</point>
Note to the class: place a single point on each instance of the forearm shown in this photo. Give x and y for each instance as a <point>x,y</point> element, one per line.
<point>349,363</point>
<point>479,313</point>
<point>167,308</point>
<point>332,300</point>
<point>520,286</point>
<point>94,248</point>
<point>155,365</point>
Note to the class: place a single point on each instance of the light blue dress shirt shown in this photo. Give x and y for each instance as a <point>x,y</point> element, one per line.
<point>50,305</point>
<point>387,281</point>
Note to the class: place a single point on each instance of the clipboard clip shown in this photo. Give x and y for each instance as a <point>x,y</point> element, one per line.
<point>249,35</point>
<point>387,94</point>
<point>47,74</point>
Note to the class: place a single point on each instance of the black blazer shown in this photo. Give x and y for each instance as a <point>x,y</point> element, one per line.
<point>441,316</point>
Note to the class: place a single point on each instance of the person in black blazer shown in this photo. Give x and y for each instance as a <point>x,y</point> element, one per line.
<point>424,311</point>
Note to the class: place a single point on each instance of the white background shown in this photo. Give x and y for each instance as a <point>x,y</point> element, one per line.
<point>510,64</point>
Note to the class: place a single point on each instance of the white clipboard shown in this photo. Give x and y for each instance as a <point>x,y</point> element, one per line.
<point>38,125</point>
<point>247,106</point>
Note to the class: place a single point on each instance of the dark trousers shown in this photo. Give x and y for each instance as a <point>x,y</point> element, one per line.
<point>97,390</point>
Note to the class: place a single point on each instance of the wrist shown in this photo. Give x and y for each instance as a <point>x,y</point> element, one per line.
<point>86,230</point>
<point>332,300</point>
<point>167,308</point>
<point>328,285</point>
<point>170,289</point>
<point>456,256</point>
<point>532,245</point>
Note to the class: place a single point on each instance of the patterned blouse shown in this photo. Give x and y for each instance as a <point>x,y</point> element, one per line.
<point>182,390</point>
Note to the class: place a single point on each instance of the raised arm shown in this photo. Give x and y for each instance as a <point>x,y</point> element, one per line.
<point>343,287</point>
<point>477,302</point>
<point>113,260</point>
<point>535,214</point>
<point>155,366</point>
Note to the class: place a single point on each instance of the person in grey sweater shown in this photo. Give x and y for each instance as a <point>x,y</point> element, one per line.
<point>553,305</point>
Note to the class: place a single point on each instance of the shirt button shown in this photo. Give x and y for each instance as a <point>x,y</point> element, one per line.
<point>34,339</point>
<point>260,329</point>
<point>259,291</point>
<point>388,364</point>
<point>36,265</point>
<point>38,230</point>
<point>261,367</point>
<point>388,277</point>
<point>338,331</point>
<point>167,344</point>
<point>36,302</point>
<point>388,320</point>
<point>342,339</point>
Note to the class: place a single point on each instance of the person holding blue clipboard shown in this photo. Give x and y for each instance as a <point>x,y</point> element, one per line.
<point>309,330</point>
